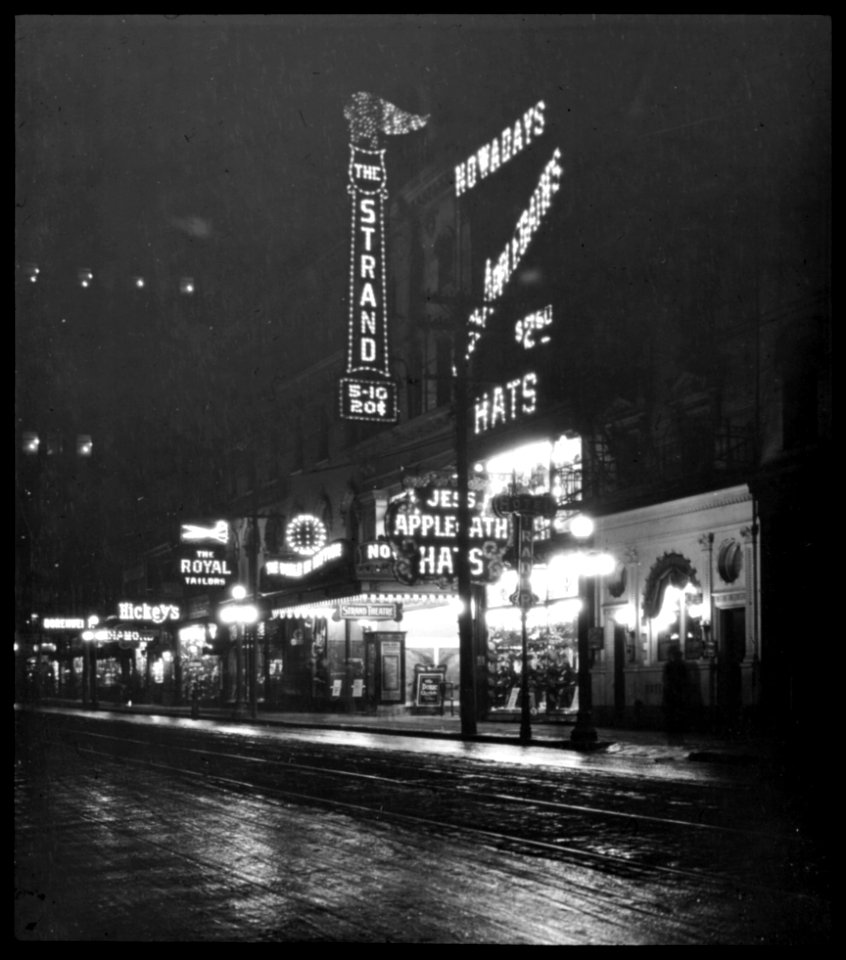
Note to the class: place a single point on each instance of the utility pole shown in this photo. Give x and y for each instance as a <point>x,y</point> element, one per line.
<point>254,587</point>
<point>466,653</point>
<point>584,733</point>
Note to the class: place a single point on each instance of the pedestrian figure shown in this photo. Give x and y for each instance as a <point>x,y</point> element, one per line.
<point>676,695</point>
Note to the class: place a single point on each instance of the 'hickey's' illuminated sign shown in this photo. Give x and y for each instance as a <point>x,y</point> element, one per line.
<point>149,613</point>
<point>367,391</point>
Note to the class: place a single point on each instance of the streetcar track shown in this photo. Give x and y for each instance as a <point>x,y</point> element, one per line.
<point>630,867</point>
<point>462,833</point>
<point>461,791</point>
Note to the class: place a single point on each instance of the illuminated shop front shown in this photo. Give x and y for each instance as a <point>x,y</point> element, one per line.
<point>686,579</point>
<point>200,662</point>
<point>362,652</point>
<point>115,662</point>
<point>560,559</point>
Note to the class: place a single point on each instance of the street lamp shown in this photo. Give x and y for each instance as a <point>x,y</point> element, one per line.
<point>524,507</point>
<point>591,564</point>
<point>240,614</point>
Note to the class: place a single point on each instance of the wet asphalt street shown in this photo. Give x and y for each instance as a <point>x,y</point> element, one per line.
<point>163,829</point>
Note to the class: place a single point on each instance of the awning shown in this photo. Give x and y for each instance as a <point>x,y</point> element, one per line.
<point>318,602</point>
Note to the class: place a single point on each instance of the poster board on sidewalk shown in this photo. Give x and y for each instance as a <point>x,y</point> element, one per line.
<point>428,686</point>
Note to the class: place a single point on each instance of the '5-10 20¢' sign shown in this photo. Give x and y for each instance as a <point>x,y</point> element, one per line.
<point>368,400</point>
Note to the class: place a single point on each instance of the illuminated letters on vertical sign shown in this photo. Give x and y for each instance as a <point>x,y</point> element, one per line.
<point>497,274</point>
<point>524,596</point>
<point>489,158</point>
<point>517,398</point>
<point>527,327</point>
<point>503,404</point>
<point>367,332</point>
<point>371,394</point>
<point>524,507</point>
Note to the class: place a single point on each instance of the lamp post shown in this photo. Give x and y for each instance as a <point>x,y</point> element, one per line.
<point>239,614</point>
<point>524,508</point>
<point>591,565</point>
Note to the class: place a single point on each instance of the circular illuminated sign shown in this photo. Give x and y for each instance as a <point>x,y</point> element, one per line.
<point>305,534</point>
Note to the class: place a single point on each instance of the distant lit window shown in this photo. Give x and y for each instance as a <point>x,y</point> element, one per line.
<point>84,445</point>
<point>186,285</point>
<point>31,443</point>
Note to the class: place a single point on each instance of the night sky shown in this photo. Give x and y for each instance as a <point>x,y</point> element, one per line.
<point>215,147</point>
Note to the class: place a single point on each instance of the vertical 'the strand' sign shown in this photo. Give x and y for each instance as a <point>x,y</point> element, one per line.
<point>367,391</point>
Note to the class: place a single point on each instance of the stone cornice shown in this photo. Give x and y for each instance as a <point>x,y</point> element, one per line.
<point>700,503</point>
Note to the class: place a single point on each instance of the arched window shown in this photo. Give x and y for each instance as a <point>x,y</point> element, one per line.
<point>672,600</point>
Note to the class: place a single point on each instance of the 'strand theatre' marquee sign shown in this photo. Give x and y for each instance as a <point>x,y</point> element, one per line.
<point>366,392</point>
<point>422,528</point>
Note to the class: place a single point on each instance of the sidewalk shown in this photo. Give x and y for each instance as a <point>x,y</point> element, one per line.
<point>649,745</point>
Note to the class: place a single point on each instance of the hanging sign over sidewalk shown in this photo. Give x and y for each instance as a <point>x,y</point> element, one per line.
<point>366,392</point>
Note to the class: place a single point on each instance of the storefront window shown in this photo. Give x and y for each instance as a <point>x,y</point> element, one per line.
<point>552,668</point>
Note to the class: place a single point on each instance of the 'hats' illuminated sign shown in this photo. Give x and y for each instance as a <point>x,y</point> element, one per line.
<point>367,392</point>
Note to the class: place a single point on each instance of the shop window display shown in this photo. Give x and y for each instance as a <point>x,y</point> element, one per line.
<point>552,668</point>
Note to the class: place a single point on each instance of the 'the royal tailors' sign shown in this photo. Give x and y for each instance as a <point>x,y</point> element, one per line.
<point>203,560</point>
<point>422,527</point>
<point>204,568</point>
<point>366,392</point>
<point>325,560</point>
